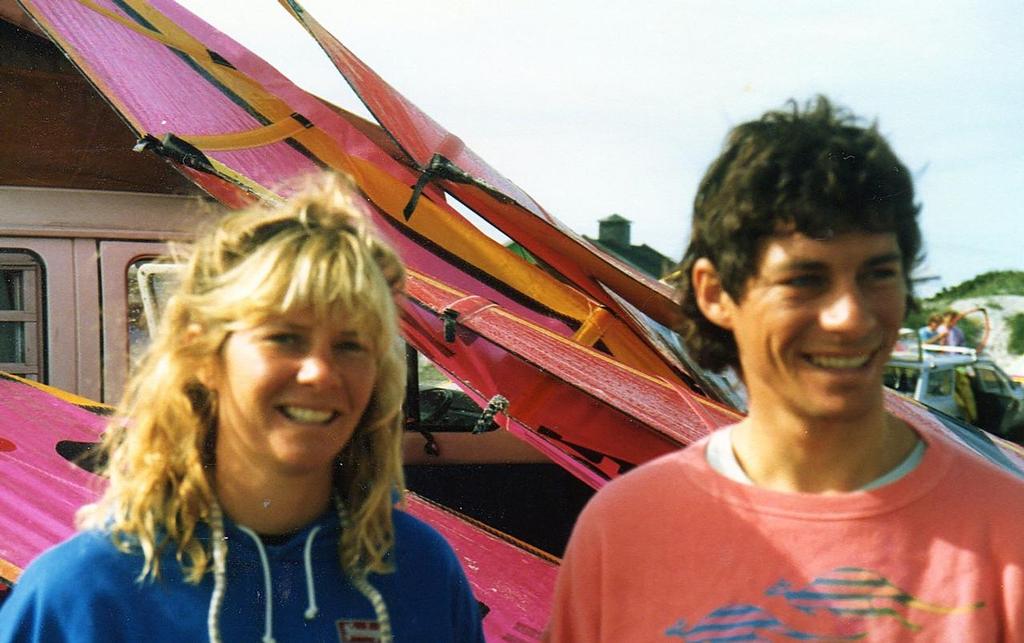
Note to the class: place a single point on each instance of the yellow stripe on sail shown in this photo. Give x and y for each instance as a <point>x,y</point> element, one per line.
<point>273,133</point>
<point>77,400</point>
<point>387,192</point>
<point>9,571</point>
<point>194,49</point>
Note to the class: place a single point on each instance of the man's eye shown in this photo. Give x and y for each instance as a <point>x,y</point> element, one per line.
<point>804,281</point>
<point>882,274</point>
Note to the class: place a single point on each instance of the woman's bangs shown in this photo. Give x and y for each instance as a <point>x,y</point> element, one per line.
<point>333,285</point>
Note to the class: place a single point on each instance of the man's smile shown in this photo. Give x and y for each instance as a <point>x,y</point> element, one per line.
<point>840,362</point>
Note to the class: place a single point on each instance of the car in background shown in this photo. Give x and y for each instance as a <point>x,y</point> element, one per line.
<point>960,382</point>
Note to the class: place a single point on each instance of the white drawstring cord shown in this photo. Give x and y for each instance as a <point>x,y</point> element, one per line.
<point>360,582</point>
<point>379,607</point>
<point>307,558</point>
<point>268,631</point>
<point>358,579</point>
<point>219,558</point>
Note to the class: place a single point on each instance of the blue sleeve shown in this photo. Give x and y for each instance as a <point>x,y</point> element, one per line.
<point>431,595</point>
<point>75,591</point>
<point>465,608</point>
<point>31,614</point>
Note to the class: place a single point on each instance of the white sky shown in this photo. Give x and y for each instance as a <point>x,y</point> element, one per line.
<point>595,108</point>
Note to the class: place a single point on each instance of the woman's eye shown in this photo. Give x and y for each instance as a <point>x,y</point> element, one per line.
<point>350,346</point>
<point>284,339</point>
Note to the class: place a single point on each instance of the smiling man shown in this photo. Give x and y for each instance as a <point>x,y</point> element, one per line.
<point>822,515</point>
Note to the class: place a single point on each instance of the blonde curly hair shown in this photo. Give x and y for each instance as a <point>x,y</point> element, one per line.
<point>317,252</point>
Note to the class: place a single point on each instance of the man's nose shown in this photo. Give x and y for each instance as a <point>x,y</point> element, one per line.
<point>846,311</point>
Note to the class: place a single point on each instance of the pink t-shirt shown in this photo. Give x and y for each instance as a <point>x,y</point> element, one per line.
<point>674,551</point>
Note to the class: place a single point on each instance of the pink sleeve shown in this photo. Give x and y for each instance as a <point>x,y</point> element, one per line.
<point>1012,582</point>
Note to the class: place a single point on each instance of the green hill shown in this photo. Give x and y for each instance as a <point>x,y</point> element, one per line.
<point>988,284</point>
<point>1008,325</point>
<point>997,282</point>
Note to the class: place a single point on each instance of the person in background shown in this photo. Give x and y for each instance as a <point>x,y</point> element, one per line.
<point>255,461</point>
<point>821,515</point>
<point>930,331</point>
<point>948,332</point>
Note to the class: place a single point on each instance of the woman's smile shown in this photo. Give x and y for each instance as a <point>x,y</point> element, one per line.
<point>291,391</point>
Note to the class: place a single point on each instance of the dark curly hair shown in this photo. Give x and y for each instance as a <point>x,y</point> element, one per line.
<point>813,170</point>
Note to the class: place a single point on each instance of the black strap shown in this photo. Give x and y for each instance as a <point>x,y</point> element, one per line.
<point>438,168</point>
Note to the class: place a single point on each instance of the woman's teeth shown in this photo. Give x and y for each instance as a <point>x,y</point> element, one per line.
<point>312,416</point>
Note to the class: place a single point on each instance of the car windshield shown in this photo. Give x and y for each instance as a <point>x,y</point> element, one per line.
<point>978,441</point>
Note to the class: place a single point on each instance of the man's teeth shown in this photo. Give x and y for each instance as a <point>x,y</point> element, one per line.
<point>834,361</point>
<point>300,414</point>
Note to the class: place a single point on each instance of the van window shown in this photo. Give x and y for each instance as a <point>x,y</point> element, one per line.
<point>21,324</point>
<point>940,383</point>
<point>901,378</point>
<point>990,382</point>
<point>138,328</point>
<point>150,284</point>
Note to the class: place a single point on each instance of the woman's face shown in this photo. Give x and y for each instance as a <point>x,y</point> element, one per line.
<point>291,391</point>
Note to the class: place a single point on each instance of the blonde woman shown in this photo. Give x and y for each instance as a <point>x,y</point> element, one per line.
<point>254,472</point>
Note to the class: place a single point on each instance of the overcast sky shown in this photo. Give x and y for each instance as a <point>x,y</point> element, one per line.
<point>597,108</point>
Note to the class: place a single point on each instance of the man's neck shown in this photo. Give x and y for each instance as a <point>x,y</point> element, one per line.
<point>819,456</point>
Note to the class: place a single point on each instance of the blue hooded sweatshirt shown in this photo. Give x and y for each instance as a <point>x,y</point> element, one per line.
<point>85,590</point>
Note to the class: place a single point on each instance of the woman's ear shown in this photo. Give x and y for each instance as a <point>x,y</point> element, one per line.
<point>712,299</point>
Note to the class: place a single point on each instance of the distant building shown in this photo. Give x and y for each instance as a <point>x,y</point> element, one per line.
<point>613,237</point>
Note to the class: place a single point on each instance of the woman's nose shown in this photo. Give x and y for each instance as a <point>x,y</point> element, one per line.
<point>316,369</point>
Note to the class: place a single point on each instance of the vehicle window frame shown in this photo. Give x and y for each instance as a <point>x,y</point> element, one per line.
<point>28,313</point>
<point>993,384</point>
<point>940,383</point>
<point>900,371</point>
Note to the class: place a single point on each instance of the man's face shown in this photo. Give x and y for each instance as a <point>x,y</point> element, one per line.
<point>817,322</point>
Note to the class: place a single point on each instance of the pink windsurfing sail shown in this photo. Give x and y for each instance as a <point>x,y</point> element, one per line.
<point>442,156</point>
<point>488,555</point>
<point>40,489</point>
<point>242,130</point>
<point>564,386</point>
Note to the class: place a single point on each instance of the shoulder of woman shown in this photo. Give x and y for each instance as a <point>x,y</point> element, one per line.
<point>408,526</point>
<point>80,586</point>
<point>88,555</point>
<point>417,540</point>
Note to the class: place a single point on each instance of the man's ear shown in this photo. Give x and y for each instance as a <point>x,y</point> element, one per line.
<point>713,301</point>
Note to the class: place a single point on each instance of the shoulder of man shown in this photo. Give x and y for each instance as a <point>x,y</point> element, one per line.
<point>981,463</point>
<point>645,488</point>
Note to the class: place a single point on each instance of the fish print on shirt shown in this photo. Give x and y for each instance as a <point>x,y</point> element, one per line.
<point>745,623</point>
<point>845,596</point>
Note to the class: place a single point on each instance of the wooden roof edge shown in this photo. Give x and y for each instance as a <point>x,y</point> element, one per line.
<point>12,13</point>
